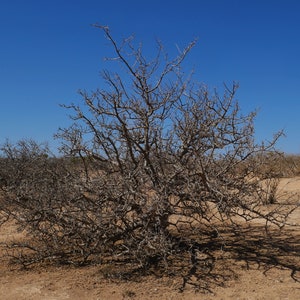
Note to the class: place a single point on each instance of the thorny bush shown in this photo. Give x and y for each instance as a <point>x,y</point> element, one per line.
<point>153,164</point>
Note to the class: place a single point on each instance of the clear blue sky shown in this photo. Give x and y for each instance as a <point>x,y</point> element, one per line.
<point>49,50</point>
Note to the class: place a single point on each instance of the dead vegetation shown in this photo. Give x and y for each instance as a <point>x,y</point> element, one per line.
<point>157,175</point>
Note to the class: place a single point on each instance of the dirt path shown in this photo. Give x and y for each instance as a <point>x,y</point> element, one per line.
<point>71,284</point>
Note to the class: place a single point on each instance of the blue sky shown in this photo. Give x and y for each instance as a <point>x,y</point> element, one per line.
<point>49,50</point>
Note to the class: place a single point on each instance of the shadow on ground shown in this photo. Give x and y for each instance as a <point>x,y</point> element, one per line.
<point>215,261</point>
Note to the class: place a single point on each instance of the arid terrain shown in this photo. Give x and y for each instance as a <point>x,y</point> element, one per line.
<point>249,266</point>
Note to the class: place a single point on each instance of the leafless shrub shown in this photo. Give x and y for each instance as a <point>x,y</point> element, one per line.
<point>290,165</point>
<point>38,194</point>
<point>270,190</point>
<point>152,166</point>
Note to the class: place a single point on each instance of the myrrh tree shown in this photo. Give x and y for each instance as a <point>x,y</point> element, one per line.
<point>152,161</point>
<point>161,154</point>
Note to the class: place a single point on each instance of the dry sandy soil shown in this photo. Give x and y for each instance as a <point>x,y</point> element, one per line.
<point>249,267</point>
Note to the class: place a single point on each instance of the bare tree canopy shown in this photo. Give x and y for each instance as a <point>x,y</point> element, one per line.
<point>153,164</point>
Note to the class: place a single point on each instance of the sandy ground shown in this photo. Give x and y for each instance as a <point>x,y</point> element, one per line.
<point>249,273</point>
